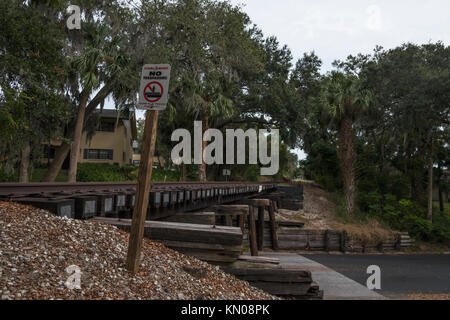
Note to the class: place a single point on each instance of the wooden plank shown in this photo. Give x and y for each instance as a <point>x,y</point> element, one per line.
<point>192,217</point>
<point>275,275</point>
<point>203,246</point>
<point>185,232</point>
<point>260,202</point>
<point>259,259</point>
<point>231,209</point>
<point>283,289</point>
<point>291,224</point>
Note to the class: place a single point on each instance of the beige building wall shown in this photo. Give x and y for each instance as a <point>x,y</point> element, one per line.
<point>120,141</point>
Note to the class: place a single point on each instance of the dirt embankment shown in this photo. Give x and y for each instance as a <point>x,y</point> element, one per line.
<point>320,212</point>
<point>44,256</point>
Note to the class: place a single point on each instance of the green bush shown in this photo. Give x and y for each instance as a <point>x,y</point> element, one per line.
<point>100,172</point>
<point>159,174</point>
<point>406,215</point>
<point>252,173</point>
<point>8,177</point>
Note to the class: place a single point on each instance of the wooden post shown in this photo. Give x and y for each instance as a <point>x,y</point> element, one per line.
<point>327,240</point>
<point>273,226</point>
<point>343,244</point>
<point>228,220</point>
<point>252,231</point>
<point>142,191</point>
<point>242,222</point>
<point>260,227</point>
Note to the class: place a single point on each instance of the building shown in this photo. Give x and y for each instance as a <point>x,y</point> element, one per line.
<point>112,141</point>
<point>158,162</point>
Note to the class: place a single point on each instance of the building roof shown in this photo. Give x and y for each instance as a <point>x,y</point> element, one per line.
<point>112,114</point>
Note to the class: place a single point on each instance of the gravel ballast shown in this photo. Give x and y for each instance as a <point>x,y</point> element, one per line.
<point>40,252</point>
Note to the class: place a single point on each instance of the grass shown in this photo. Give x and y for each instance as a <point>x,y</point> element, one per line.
<point>38,174</point>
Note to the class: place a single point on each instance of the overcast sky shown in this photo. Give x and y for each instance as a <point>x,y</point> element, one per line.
<point>335,29</point>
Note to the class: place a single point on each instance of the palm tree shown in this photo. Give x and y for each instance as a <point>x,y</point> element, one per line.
<point>345,100</point>
<point>209,103</point>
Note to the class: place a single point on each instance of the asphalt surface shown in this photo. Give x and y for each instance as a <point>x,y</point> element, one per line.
<point>335,286</point>
<point>400,274</point>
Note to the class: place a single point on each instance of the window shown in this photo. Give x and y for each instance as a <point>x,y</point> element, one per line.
<point>106,126</point>
<point>98,154</point>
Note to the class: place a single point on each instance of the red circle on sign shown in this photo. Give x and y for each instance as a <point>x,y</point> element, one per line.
<point>152,95</point>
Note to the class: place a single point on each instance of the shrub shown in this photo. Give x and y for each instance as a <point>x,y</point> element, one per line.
<point>9,177</point>
<point>406,215</point>
<point>100,172</point>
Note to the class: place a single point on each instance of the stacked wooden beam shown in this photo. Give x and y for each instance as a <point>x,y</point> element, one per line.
<point>405,240</point>
<point>215,244</point>
<point>293,237</point>
<point>207,218</point>
<point>280,281</point>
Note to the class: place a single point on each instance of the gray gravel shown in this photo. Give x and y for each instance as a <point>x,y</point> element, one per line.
<point>40,252</point>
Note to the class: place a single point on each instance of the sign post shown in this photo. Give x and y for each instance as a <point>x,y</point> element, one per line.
<point>153,96</point>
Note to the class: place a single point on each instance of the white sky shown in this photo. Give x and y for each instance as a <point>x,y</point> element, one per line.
<point>334,29</point>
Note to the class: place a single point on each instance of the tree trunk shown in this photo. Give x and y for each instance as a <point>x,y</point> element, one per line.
<point>75,149</point>
<point>60,155</point>
<point>430,183</point>
<point>183,172</point>
<point>441,198</point>
<point>62,152</point>
<point>347,159</point>
<point>25,164</point>
<point>202,166</point>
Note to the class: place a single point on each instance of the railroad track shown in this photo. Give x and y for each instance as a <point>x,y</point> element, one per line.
<point>85,200</point>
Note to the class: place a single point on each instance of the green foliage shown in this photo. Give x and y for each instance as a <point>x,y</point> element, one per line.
<point>8,177</point>
<point>406,215</point>
<point>322,165</point>
<point>100,172</point>
<point>159,174</point>
<point>251,173</point>
<point>93,172</point>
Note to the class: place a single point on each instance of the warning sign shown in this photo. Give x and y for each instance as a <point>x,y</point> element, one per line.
<point>154,88</point>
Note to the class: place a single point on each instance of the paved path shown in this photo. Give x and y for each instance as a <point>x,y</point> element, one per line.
<point>400,273</point>
<point>334,284</point>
